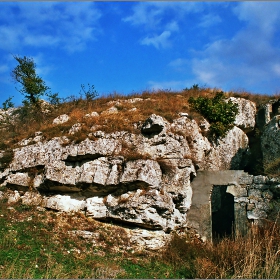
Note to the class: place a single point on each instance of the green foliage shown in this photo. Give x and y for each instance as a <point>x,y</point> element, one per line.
<point>33,87</point>
<point>90,93</point>
<point>53,98</point>
<point>194,87</point>
<point>217,111</point>
<point>8,103</point>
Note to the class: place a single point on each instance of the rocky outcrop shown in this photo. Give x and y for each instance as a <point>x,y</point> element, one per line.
<point>245,119</point>
<point>271,145</point>
<point>141,179</point>
<point>149,186</point>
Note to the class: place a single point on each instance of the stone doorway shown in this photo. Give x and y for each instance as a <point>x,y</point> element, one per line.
<point>222,212</point>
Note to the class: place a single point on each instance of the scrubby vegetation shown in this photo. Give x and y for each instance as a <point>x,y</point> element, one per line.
<point>25,121</point>
<point>217,111</point>
<point>41,244</point>
<point>36,244</point>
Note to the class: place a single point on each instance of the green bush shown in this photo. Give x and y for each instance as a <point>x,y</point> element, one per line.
<point>217,111</point>
<point>33,87</point>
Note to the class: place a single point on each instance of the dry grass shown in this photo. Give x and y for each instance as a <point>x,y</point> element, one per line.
<point>164,103</point>
<point>273,168</point>
<point>243,257</point>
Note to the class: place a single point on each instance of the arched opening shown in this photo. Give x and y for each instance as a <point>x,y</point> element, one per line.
<point>222,209</point>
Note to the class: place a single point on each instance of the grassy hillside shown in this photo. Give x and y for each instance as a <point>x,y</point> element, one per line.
<point>39,244</point>
<point>164,103</point>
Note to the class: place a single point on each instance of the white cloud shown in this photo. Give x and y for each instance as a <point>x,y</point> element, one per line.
<point>262,15</point>
<point>145,14</point>
<point>158,41</point>
<point>209,20</point>
<point>179,64</point>
<point>152,13</point>
<point>162,17</point>
<point>249,59</point>
<point>68,25</point>
<point>276,68</point>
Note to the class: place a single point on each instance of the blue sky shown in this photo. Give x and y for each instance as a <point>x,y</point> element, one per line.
<point>128,47</point>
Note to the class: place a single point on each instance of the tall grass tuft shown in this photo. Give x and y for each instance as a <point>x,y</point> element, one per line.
<point>256,255</point>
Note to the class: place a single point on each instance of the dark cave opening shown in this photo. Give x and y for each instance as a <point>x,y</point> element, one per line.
<point>222,209</point>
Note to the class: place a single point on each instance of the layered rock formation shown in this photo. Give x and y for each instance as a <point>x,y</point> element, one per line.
<point>149,186</point>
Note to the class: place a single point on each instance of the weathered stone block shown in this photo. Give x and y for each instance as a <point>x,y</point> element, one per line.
<point>96,208</point>
<point>260,186</point>
<point>241,199</point>
<point>267,194</point>
<point>64,203</point>
<point>254,194</point>
<point>236,190</point>
<point>260,179</point>
<point>256,214</point>
<point>246,179</point>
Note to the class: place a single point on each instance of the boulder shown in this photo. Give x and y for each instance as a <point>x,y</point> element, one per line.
<point>270,145</point>
<point>61,119</point>
<point>245,119</point>
<point>75,128</point>
<point>154,125</point>
<point>19,179</point>
<point>149,209</point>
<point>13,197</point>
<point>64,203</point>
<point>92,115</point>
<point>145,239</point>
<point>96,208</point>
<point>232,150</point>
<point>111,110</point>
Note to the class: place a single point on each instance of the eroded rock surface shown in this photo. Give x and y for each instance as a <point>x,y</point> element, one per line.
<point>141,179</point>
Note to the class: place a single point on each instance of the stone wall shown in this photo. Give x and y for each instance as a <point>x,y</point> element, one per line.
<point>253,200</point>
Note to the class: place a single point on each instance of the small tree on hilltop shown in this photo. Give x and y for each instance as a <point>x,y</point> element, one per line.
<point>33,87</point>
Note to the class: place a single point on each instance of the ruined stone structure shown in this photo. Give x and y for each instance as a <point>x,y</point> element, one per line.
<point>226,202</point>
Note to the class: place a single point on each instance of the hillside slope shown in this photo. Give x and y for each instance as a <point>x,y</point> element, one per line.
<point>131,160</point>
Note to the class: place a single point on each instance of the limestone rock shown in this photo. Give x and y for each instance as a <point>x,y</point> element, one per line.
<point>61,119</point>
<point>154,125</point>
<point>199,145</point>
<point>146,171</point>
<point>111,110</point>
<point>245,119</point>
<point>270,143</point>
<point>96,208</point>
<point>141,178</point>
<point>149,209</point>
<point>19,179</point>
<point>64,203</point>
<point>31,198</point>
<point>145,239</point>
<point>232,149</point>
<point>75,128</point>
<point>92,115</point>
<point>13,197</point>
